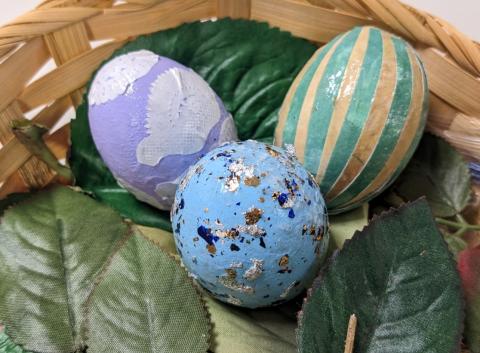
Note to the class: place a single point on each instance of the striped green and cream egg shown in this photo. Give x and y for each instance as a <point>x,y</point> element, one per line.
<point>355,114</point>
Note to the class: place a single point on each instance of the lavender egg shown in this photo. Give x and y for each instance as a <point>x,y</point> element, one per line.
<point>250,224</point>
<point>151,118</point>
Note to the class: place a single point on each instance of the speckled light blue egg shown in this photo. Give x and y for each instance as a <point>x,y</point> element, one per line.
<point>250,224</point>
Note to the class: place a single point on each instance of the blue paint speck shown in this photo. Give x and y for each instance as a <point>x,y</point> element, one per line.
<point>206,234</point>
<point>262,242</point>
<point>282,198</point>
<point>222,154</point>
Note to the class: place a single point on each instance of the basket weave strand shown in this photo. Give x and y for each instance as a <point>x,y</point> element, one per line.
<point>64,30</point>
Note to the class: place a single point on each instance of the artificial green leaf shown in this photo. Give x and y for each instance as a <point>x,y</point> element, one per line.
<point>237,330</point>
<point>7,345</point>
<point>438,172</point>
<point>160,237</point>
<point>469,267</point>
<point>52,247</point>
<point>248,64</point>
<point>400,280</point>
<point>455,243</point>
<point>128,206</point>
<point>343,226</point>
<point>145,302</point>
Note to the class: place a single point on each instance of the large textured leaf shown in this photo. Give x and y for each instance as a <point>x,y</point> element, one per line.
<point>52,247</point>
<point>237,330</point>
<point>438,172</point>
<point>399,278</point>
<point>248,64</point>
<point>145,302</point>
<point>7,345</point>
<point>469,267</point>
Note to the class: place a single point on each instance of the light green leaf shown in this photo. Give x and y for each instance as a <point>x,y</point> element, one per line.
<point>145,302</point>
<point>237,330</point>
<point>52,247</point>
<point>455,243</point>
<point>399,278</point>
<point>7,345</point>
<point>438,172</point>
<point>343,226</point>
<point>160,237</point>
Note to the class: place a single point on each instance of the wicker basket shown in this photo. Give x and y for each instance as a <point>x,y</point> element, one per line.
<point>68,32</point>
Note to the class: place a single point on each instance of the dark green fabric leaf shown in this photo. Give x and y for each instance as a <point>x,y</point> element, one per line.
<point>128,206</point>
<point>399,278</point>
<point>438,172</point>
<point>145,302</point>
<point>52,247</point>
<point>7,345</point>
<point>248,64</point>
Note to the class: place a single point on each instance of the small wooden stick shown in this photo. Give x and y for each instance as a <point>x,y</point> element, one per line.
<point>352,327</point>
